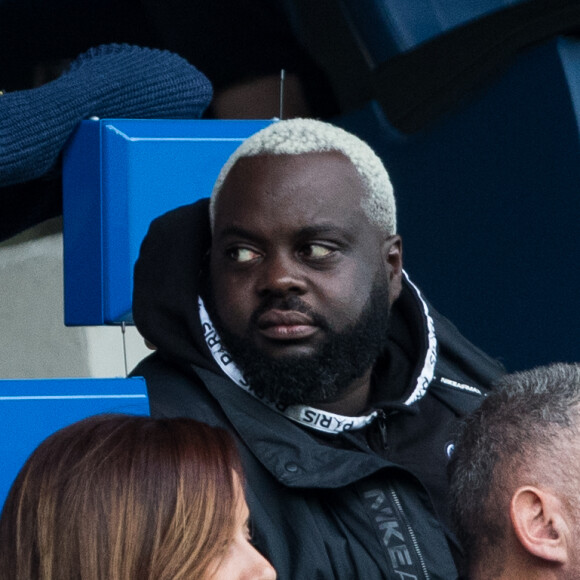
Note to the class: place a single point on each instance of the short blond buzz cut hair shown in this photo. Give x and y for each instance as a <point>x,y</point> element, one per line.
<point>298,136</point>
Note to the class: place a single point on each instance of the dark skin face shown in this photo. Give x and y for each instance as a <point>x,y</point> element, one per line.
<point>292,226</point>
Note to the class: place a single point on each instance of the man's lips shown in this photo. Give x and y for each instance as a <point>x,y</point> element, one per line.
<point>286,325</point>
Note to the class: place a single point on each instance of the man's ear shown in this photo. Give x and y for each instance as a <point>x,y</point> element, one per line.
<point>392,255</point>
<point>540,525</point>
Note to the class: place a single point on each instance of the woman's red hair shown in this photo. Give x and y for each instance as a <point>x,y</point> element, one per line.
<point>116,497</point>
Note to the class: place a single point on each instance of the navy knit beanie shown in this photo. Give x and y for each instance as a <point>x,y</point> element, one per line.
<point>109,81</point>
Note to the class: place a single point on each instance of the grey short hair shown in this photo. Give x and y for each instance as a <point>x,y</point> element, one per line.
<point>521,423</point>
<point>297,136</point>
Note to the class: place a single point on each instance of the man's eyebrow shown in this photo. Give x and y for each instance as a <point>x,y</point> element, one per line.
<point>322,229</point>
<point>237,231</point>
<point>304,232</point>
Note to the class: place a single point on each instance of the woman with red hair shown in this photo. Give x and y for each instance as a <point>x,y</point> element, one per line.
<point>118,497</point>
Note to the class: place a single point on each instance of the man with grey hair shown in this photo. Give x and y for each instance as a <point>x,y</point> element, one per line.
<point>280,310</point>
<point>515,472</point>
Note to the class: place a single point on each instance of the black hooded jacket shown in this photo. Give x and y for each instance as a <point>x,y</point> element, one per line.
<point>362,504</point>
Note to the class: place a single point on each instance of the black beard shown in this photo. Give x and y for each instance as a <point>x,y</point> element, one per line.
<point>323,376</point>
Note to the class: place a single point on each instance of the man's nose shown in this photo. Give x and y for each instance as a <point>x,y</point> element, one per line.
<point>281,273</point>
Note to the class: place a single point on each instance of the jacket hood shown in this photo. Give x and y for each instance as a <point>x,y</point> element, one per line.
<point>166,284</point>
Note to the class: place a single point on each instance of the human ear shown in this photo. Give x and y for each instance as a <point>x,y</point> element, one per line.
<point>392,255</point>
<point>539,524</point>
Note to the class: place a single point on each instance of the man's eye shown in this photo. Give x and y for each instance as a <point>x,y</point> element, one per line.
<point>242,254</point>
<point>316,251</point>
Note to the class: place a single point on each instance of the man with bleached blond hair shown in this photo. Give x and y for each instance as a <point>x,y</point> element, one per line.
<point>280,310</point>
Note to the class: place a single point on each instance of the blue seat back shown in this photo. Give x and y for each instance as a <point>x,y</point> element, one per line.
<point>489,203</point>
<point>33,409</point>
<point>389,27</point>
<point>118,175</point>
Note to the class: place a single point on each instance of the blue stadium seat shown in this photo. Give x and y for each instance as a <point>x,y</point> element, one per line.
<point>489,204</point>
<point>389,27</point>
<point>118,175</point>
<point>32,409</point>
